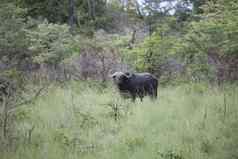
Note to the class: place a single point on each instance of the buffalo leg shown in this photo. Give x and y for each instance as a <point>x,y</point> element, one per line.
<point>141,97</point>
<point>133,98</point>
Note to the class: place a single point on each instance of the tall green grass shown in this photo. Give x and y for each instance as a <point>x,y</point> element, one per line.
<point>195,121</point>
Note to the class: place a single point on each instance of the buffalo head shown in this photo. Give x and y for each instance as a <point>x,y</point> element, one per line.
<point>119,77</point>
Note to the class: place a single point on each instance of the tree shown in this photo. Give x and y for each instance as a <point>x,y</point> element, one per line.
<point>55,11</point>
<point>51,43</point>
<point>72,15</point>
<point>13,41</point>
<point>215,36</point>
<point>197,5</point>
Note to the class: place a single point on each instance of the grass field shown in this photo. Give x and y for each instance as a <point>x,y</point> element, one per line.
<point>190,121</point>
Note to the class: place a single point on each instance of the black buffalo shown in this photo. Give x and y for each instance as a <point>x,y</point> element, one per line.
<point>136,84</point>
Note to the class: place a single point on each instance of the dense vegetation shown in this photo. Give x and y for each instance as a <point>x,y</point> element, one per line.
<point>56,99</point>
<point>188,121</point>
<point>202,37</point>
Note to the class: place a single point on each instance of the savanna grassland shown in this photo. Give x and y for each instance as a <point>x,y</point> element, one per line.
<point>56,100</point>
<point>82,120</point>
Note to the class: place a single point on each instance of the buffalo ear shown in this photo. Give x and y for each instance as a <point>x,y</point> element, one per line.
<point>128,74</point>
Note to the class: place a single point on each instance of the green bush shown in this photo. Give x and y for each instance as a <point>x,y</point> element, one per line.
<point>212,33</point>
<point>52,43</point>
<point>13,41</point>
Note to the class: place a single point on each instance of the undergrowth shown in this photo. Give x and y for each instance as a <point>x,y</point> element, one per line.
<point>80,120</point>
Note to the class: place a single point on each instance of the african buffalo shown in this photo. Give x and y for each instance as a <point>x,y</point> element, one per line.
<point>136,84</point>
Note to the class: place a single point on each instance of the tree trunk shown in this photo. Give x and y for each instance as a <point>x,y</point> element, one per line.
<point>72,16</point>
<point>91,9</point>
<point>138,10</point>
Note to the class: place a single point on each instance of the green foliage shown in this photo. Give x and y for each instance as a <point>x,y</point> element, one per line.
<point>51,43</point>
<point>53,10</point>
<point>216,31</point>
<point>191,42</point>
<point>13,75</point>
<point>197,5</point>
<point>193,120</point>
<point>220,26</point>
<point>90,15</point>
<point>156,49</point>
<point>13,42</point>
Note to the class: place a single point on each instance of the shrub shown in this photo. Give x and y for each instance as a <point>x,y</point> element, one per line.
<point>13,42</point>
<point>52,43</point>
